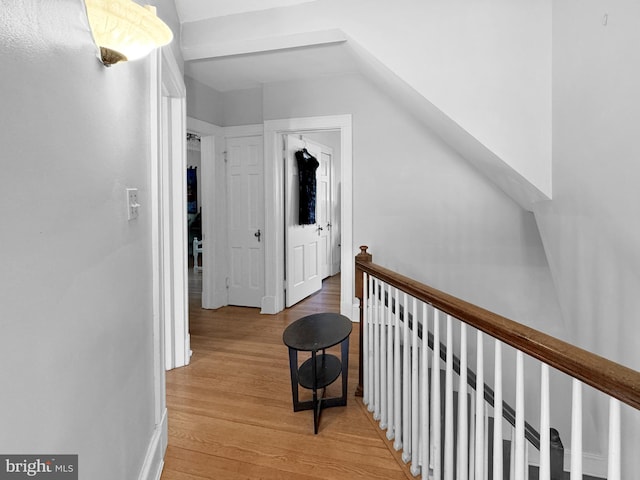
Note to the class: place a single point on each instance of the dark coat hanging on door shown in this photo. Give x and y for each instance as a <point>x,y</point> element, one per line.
<point>307,166</point>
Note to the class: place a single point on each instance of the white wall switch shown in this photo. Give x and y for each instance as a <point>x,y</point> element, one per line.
<point>132,203</point>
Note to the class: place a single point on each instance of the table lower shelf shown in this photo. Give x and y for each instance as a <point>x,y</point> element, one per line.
<point>328,368</point>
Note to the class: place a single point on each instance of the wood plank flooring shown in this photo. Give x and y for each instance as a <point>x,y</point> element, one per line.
<point>230,411</point>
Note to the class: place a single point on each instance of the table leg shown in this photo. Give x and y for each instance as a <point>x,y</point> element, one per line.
<point>293,366</point>
<point>316,406</point>
<point>344,353</point>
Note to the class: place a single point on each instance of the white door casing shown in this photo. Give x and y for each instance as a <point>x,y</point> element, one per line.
<point>245,218</point>
<point>168,212</point>
<point>302,241</point>
<point>274,299</point>
<point>214,252</point>
<point>167,101</point>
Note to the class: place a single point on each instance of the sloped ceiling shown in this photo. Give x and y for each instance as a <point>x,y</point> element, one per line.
<point>238,45</point>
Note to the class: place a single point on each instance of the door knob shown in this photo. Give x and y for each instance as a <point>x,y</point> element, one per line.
<point>258,234</point>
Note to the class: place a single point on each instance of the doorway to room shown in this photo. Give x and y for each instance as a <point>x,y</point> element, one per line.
<point>274,299</point>
<point>311,211</point>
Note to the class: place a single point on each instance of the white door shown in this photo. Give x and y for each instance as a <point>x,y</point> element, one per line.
<point>245,201</point>
<point>324,155</point>
<point>301,241</point>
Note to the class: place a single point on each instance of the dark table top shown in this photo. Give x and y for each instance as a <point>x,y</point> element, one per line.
<point>317,331</point>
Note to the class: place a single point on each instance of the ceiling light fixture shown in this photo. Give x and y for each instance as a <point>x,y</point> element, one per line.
<point>125,30</point>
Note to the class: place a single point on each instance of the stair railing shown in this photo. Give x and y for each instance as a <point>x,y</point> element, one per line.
<point>401,384</point>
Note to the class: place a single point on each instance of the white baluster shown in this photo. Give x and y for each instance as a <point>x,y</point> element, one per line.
<point>463,418</point>
<point>436,428</point>
<point>614,440</point>
<point>383,357</point>
<point>497,413</point>
<point>545,445</point>
<point>472,435</point>
<point>479,460</point>
<point>391,331</point>
<point>371,326</point>
<point>424,394</point>
<point>397,388</point>
<point>485,467</point>
<point>512,456</point>
<point>415,408</point>
<point>376,350</point>
<point>365,339</point>
<point>519,440</point>
<point>406,386</point>
<point>448,404</point>
<point>576,431</point>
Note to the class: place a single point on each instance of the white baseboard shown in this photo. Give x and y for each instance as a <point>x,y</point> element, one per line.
<point>187,349</point>
<point>268,305</point>
<point>352,311</point>
<point>216,300</point>
<point>154,458</point>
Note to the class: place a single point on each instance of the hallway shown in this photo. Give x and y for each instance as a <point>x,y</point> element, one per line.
<point>230,412</point>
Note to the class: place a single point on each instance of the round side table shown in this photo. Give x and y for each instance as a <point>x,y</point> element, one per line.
<point>315,333</point>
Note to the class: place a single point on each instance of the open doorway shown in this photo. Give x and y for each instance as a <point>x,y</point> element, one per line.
<point>194,203</point>
<point>210,183</point>
<point>312,211</point>
<point>274,300</point>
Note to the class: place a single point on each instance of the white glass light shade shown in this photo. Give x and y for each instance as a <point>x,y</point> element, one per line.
<point>125,30</point>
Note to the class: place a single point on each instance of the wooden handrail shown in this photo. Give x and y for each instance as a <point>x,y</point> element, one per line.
<point>602,374</point>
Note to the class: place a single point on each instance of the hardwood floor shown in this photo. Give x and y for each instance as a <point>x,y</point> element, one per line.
<point>230,410</point>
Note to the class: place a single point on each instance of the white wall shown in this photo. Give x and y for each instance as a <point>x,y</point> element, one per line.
<point>242,107</point>
<point>75,294</point>
<point>203,102</point>
<point>591,230</point>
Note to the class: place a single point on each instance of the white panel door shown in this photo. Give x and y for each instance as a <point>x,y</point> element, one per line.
<point>245,209</point>
<point>301,241</point>
<point>323,212</point>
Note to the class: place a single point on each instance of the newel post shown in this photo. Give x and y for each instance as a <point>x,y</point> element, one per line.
<point>363,256</point>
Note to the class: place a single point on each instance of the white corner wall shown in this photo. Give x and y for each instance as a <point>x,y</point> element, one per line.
<point>591,230</point>
<point>76,346</point>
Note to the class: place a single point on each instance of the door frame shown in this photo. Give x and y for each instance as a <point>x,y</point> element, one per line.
<point>165,84</point>
<point>273,302</point>
<point>212,180</point>
<point>169,215</point>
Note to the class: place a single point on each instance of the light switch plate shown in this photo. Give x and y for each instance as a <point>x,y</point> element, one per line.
<point>132,203</point>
